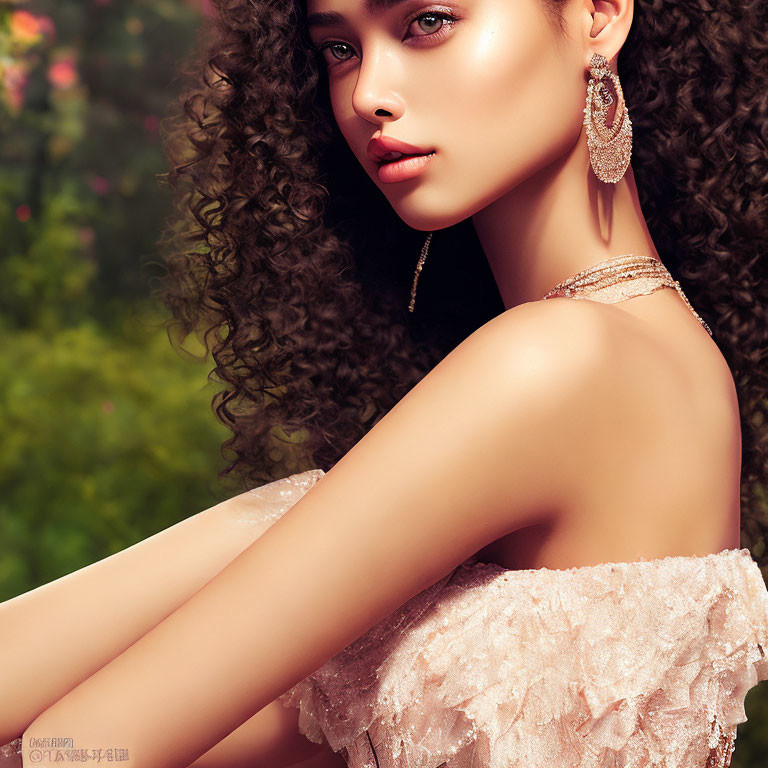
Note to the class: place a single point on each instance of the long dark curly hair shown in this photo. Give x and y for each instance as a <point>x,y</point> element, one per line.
<point>297,278</point>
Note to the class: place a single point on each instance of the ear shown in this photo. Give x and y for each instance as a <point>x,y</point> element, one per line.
<point>607,24</point>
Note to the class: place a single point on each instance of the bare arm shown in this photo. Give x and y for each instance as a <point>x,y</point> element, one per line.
<point>57,635</point>
<point>466,457</point>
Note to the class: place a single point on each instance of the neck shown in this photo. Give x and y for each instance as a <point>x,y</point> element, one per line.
<point>557,222</point>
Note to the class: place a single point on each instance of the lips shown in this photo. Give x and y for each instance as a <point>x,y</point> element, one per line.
<point>407,167</point>
<point>384,149</point>
<point>397,157</point>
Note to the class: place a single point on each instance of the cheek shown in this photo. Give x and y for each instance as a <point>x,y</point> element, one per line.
<point>355,130</point>
<point>513,103</point>
<point>340,94</point>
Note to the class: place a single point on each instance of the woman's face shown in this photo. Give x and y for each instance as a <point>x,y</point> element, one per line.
<point>489,85</point>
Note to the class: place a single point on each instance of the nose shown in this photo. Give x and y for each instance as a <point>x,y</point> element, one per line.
<point>375,95</point>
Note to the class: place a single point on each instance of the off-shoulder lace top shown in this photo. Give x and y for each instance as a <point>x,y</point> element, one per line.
<point>634,665</point>
<point>619,665</point>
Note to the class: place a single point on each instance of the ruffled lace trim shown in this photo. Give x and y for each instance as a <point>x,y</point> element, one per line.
<point>623,665</point>
<point>633,664</point>
<point>618,665</point>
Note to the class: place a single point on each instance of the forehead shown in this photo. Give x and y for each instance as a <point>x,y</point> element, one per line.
<point>326,18</point>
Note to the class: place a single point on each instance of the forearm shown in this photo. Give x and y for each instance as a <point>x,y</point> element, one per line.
<point>272,616</point>
<point>54,637</point>
<point>347,554</point>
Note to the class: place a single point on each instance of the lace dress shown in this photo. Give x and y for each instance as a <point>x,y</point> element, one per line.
<point>640,665</point>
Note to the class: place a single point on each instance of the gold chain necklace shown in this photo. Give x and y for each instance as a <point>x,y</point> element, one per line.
<point>621,278</point>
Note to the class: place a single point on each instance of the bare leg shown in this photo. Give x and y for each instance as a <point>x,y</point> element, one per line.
<point>54,637</point>
<point>270,739</point>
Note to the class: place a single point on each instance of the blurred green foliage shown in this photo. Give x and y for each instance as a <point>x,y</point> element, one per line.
<point>107,439</point>
<point>108,435</point>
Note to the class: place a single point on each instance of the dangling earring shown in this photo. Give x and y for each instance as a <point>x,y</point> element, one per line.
<point>609,148</point>
<point>419,265</point>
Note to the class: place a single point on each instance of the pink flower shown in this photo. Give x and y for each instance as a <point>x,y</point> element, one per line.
<point>47,27</point>
<point>151,123</point>
<point>23,212</point>
<point>63,73</point>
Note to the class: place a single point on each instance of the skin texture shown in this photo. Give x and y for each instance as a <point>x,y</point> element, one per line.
<point>556,362</point>
<point>502,437</point>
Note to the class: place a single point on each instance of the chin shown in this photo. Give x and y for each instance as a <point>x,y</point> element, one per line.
<point>428,218</point>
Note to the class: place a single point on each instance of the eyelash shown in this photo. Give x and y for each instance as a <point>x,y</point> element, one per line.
<point>449,18</point>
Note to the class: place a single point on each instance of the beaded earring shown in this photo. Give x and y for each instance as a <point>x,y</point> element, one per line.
<point>419,265</point>
<point>609,148</point>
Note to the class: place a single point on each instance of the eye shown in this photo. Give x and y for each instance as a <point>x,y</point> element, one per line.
<point>334,47</point>
<point>435,24</point>
<point>433,16</point>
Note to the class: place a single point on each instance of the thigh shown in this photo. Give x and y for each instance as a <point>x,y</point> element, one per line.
<point>269,739</point>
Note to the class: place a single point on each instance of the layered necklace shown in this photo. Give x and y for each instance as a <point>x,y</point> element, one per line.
<point>621,278</point>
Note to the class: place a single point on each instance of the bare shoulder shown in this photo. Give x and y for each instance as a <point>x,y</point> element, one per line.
<point>558,334</point>
<point>659,418</point>
<point>656,380</point>
<point>517,396</point>
<point>648,359</point>
<point>547,355</point>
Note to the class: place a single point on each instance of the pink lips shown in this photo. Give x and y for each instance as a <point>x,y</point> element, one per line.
<point>416,159</point>
<point>404,168</point>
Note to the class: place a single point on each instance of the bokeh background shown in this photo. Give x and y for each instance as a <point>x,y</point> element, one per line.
<point>107,431</point>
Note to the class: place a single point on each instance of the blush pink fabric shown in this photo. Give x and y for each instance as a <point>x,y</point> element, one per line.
<point>619,665</point>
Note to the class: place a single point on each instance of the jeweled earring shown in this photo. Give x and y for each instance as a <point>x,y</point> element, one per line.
<point>419,265</point>
<point>609,148</point>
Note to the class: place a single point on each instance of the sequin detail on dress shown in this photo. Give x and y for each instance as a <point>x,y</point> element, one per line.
<point>274,498</point>
<point>608,665</point>
<point>621,278</point>
<point>10,754</point>
<point>633,665</point>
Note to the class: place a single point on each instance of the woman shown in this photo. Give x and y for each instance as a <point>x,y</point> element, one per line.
<point>534,553</point>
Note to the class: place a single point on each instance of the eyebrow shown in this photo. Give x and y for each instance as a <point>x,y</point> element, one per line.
<point>331,18</point>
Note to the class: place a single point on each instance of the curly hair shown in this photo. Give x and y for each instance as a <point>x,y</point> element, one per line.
<point>296,277</point>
